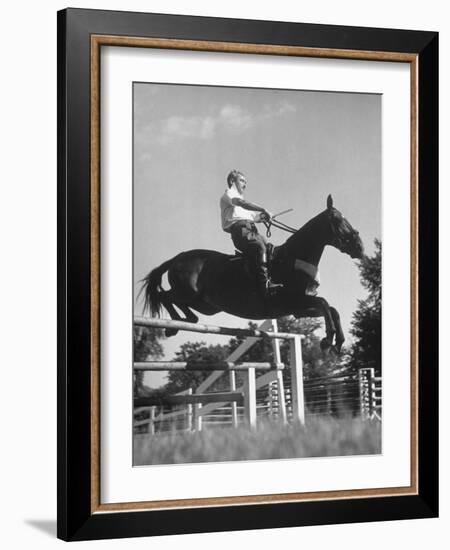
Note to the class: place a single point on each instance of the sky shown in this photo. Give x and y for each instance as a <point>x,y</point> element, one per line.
<point>295,147</point>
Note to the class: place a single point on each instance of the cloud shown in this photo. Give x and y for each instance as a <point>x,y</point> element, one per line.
<point>235,118</point>
<point>280,109</point>
<point>179,127</point>
<point>231,118</point>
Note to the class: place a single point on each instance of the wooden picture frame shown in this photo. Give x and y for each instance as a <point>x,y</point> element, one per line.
<point>81,35</point>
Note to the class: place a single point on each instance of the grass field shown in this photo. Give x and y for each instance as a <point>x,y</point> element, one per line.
<point>320,437</point>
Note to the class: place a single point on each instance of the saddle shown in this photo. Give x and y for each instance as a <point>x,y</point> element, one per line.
<point>274,257</point>
<point>271,253</point>
<point>271,258</point>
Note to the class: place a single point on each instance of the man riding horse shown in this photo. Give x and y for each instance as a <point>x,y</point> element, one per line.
<point>208,282</point>
<point>239,217</point>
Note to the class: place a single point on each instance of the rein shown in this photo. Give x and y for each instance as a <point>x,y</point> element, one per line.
<point>278,225</point>
<point>284,227</point>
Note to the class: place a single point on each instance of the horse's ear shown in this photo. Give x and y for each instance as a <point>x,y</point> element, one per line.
<point>329,202</point>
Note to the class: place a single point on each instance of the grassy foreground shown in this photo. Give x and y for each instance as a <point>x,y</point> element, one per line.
<point>320,437</point>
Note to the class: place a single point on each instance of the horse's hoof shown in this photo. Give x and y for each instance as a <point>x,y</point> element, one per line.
<point>333,351</point>
<point>325,344</point>
<point>170,332</point>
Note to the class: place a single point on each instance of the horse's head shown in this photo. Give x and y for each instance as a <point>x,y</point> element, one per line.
<point>342,235</point>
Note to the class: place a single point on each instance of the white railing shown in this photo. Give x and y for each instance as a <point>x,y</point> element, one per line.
<point>200,405</point>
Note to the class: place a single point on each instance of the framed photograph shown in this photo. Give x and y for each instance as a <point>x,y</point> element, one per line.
<point>247,253</point>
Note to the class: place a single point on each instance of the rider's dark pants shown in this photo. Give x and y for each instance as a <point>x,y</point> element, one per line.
<point>252,244</point>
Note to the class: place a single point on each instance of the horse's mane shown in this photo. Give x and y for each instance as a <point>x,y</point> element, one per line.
<point>305,228</point>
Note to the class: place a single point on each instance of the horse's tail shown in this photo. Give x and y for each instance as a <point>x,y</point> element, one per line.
<point>151,287</point>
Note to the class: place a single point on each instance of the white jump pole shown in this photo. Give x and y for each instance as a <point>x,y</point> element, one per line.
<point>234,415</point>
<point>230,366</point>
<point>151,424</point>
<point>250,397</point>
<point>297,395</point>
<point>198,417</point>
<point>189,413</point>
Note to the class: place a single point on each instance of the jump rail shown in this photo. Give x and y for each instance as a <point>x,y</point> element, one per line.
<point>249,389</point>
<point>191,365</point>
<point>212,329</point>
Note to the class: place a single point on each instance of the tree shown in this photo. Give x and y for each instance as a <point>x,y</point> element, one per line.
<point>146,345</point>
<point>366,323</point>
<point>195,352</point>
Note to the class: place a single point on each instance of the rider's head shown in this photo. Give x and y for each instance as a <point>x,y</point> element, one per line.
<point>237,178</point>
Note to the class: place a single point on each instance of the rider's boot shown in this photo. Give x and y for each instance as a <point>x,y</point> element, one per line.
<point>265,287</point>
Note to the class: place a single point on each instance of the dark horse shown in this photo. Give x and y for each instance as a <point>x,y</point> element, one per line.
<point>210,282</point>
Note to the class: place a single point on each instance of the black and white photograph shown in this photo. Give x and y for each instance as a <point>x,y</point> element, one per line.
<point>247,290</point>
<point>257,273</point>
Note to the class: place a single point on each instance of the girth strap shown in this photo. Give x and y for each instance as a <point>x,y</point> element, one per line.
<point>309,269</point>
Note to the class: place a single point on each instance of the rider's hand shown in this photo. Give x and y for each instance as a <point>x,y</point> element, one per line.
<point>266,216</point>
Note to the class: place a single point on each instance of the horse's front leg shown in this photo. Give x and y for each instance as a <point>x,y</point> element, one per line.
<point>340,338</point>
<point>319,303</point>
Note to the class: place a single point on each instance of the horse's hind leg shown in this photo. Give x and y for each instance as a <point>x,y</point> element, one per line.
<point>166,301</point>
<point>190,315</point>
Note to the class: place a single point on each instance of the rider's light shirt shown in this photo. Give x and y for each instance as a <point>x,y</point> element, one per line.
<point>232,213</point>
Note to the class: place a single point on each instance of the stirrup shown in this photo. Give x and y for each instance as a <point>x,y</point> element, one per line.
<point>272,288</point>
<point>274,285</point>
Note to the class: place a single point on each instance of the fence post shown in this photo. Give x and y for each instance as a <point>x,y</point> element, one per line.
<point>190,413</point>
<point>281,397</point>
<point>234,417</point>
<point>362,394</point>
<point>373,401</point>
<point>288,397</point>
<point>151,424</point>
<point>280,383</point>
<point>198,417</point>
<point>377,397</point>
<point>250,397</point>
<point>366,392</point>
<point>297,395</point>
<point>271,402</point>
<point>329,402</point>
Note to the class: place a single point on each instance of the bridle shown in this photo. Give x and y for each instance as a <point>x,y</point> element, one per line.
<point>339,240</point>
